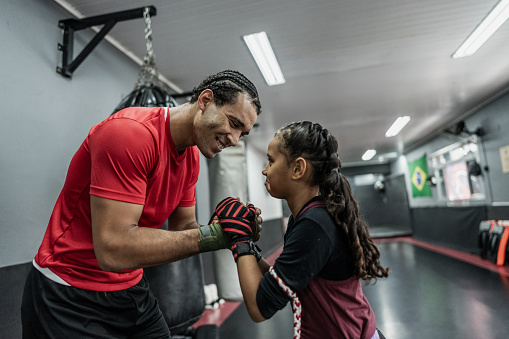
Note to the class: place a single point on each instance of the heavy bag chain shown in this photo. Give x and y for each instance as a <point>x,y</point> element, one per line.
<point>149,73</point>
<point>149,90</point>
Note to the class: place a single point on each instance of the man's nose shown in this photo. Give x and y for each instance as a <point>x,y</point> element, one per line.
<point>234,137</point>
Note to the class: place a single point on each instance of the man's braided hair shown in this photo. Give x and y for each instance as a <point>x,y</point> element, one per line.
<point>226,86</point>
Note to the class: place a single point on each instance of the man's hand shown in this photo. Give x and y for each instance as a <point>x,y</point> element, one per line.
<point>213,238</point>
<point>258,227</point>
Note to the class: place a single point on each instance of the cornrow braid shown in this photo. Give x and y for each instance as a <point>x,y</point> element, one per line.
<point>319,147</point>
<point>226,86</point>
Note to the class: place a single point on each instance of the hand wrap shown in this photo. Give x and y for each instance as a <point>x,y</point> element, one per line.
<point>237,220</point>
<point>213,238</point>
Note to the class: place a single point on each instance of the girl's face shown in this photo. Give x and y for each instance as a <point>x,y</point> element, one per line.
<point>277,172</point>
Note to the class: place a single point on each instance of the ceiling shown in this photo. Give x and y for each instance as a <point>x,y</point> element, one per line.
<point>352,65</point>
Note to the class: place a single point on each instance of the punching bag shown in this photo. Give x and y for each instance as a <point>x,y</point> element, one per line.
<point>179,289</point>
<point>227,178</point>
<point>147,95</point>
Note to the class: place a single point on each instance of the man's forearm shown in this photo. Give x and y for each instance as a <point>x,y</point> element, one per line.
<point>144,247</point>
<point>191,226</point>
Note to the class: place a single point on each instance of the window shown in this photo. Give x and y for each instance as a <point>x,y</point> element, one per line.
<point>455,172</point>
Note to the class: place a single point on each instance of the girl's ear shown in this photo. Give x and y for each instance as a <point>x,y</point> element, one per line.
<point>299,168</point>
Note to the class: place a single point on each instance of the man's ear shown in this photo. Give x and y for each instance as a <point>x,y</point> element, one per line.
<point>299,168</point>
<point>206,97</point>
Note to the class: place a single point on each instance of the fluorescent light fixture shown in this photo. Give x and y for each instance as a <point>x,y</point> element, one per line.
<point>259,46</point>
<point>397,126</point>
<point>388,156</point>
<point>369,154</point>
<point>484,30</point>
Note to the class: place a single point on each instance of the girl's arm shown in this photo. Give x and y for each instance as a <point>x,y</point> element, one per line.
<point>263,266</point>
<point>250,275</point>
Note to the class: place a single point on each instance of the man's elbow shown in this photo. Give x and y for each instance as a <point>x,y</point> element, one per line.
<point>106,264</point>
<point>106,260</point>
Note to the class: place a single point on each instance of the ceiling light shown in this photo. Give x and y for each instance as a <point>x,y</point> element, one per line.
<point>259,46</point>
<point>484,30</point>
<point>397,126</point>
<point>369,154</point>
<point>388,156</point>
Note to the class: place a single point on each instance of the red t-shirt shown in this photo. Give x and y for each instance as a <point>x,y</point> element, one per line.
<point>128,157</point>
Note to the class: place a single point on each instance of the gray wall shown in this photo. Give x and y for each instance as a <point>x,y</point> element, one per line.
<point>494,119</point>
<point>387,208</point>
<point>45,117</point>
<point>457,226</point>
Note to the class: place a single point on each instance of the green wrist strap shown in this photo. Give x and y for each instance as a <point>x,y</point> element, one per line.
<point>213,238</point>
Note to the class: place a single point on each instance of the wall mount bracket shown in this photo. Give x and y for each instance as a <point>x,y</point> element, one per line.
<point>69,26</point>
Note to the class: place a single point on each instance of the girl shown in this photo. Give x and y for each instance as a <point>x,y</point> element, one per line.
<point>327,247</point>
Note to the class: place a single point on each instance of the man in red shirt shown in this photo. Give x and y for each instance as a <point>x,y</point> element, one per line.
<point>134,170</point>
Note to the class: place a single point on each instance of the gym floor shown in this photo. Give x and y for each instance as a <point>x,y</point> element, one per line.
<point>432,292</point>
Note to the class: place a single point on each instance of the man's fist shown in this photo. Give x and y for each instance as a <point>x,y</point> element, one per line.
<point>213,238</point>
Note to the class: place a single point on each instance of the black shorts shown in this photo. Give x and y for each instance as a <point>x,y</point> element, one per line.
<point>53,310</point>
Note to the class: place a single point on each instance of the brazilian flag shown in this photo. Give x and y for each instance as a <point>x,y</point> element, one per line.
<point>418,170</point>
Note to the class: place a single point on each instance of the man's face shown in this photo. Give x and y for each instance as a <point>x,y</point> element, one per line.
<point>221,127</point>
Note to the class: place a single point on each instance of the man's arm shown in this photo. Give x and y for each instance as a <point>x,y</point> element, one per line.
<point>183,218</point>
<point>120,244</point>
